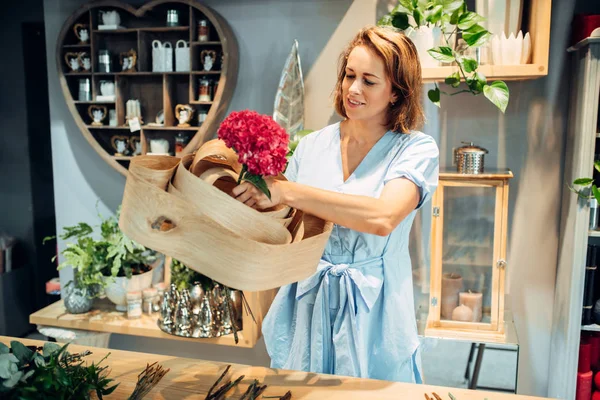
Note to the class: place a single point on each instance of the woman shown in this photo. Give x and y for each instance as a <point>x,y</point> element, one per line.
<point>368,175</point>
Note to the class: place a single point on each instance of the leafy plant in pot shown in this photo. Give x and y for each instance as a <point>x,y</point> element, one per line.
<point>131,264</point>
<point>586,188</point>
<point>451,19</point>
<point>113,264</point>
<point>87,256</point>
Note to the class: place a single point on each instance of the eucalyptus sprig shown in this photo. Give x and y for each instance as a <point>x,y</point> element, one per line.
<point>50,372</point>
<point>453,18</point>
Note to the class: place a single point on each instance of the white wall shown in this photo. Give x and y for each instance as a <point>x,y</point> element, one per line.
<point>528,139</point>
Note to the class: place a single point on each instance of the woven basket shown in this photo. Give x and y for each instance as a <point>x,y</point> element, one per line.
<point>186,217</point>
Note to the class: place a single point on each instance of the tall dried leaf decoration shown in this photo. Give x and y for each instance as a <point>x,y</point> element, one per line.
<point>289,100</point>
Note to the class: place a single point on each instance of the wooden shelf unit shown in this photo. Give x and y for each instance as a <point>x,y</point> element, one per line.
<point>93,102</point>
<point>156,91</point>
<point>148,29</point>
<point>207,43</point>
<point>538,26</point>
<point>104,318</point>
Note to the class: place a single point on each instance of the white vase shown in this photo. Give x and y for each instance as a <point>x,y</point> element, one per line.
<point>426,38</point>
<point>117,288</point>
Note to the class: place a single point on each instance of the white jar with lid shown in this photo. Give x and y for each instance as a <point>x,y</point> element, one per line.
<point>134,305</point>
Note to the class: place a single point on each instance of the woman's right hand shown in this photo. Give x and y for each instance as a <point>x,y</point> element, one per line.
<point>250,195</point>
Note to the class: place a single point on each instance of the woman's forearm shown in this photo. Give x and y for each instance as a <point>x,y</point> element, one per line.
<point>360,213</point>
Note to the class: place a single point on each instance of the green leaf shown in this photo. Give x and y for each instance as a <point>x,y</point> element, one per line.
<point>452,5</point>
<point>468,19</point>
<point>418,16</point>
<point>39,360</point>
<point>259,182</point>
<point>453,80</point>
<point>109,390</point>
<point>442,53</point>
<point>48,238</point>
<point>476,35</point>
<point>400,21</point>
<point>50,348</point>
<point>596,192</point>
<point>406,4</point>
<point>27,375</point>
<point>434,96</point>
<point>4,348</point>
<point>469,64</point>
<point>386,20</point>
<point>13,379</point>
<point>8,364</point>
<point>596,166</point>
<point>434,15</point>
<point>22,352</point>
<point>445,20</point>
<point>583,181</point>
<point>454,17</point>
<point>497,93</point>
<point>62,377</point>
<point>476,82</point>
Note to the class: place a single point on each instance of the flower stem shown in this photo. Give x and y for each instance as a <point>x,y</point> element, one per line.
<point>242,173</point>
<point>462,72</point>
<point>460,91</point>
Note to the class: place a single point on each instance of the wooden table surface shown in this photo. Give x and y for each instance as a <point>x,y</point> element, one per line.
<point>191,379</point>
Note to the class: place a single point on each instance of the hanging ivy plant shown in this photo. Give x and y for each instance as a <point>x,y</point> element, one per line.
<point>453,18</point>
<point>585,187</point>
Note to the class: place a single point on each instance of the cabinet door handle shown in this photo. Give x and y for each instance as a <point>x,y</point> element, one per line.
<point>501,264</point>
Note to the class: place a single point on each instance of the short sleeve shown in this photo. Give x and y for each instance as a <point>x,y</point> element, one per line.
<point>417,161</point>
<point>291,171</point>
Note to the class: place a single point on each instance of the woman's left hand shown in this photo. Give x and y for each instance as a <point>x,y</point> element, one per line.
<point>250,195</point>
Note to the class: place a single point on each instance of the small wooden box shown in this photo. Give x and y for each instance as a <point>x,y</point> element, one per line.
<point>468,252</point>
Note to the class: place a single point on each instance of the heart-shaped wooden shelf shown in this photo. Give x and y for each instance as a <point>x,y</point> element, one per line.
<point>203,76</point>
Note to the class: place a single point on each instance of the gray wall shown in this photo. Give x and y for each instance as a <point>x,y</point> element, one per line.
<point>528,139</point>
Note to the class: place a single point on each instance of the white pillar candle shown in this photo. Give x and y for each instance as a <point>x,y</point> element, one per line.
<point>451,286</point>
<point>474,301</point>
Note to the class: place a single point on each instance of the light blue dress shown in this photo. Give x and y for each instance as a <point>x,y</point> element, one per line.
<point>355,316</point>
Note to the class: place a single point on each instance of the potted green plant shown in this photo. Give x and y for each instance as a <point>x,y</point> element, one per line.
<point>112,262</point>
<point>452,19</point>
<point>87,256</point>
<point>585,188</point>
<point>130,266</point>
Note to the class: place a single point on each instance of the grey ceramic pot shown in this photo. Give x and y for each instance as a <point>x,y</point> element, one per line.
<point>77,301</point>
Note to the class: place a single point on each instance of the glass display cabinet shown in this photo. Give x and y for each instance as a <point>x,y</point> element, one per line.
<point>468,252</point>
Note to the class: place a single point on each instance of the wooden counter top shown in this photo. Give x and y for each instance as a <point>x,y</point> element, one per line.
<point>104,318</point>
<point>191,379</point>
